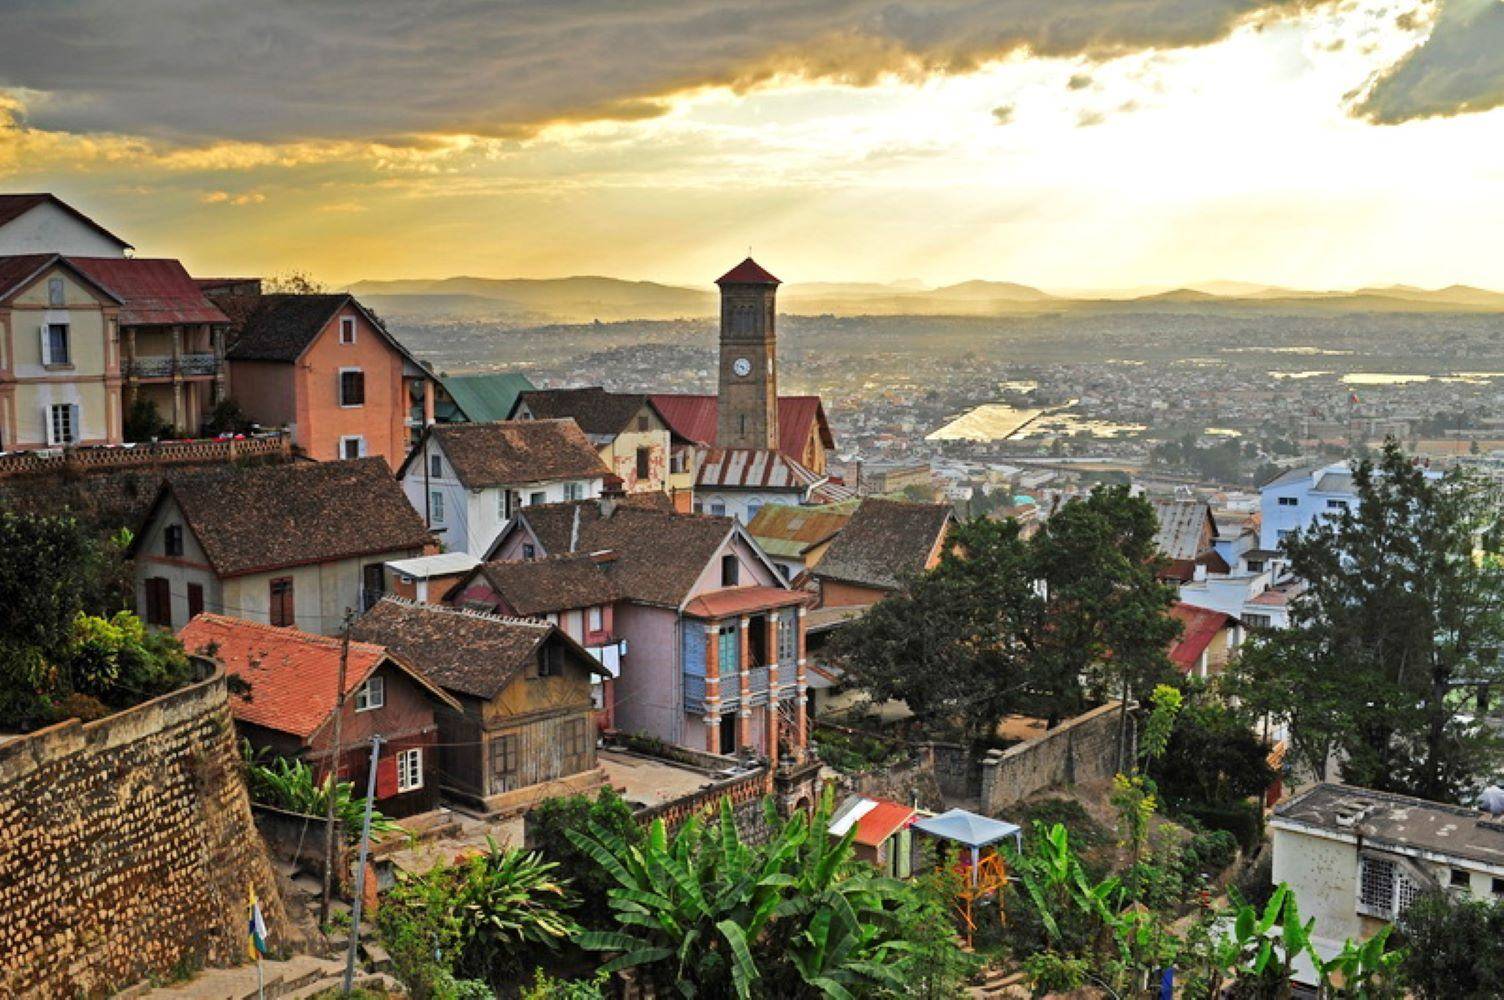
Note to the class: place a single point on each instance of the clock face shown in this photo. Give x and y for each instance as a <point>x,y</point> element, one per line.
<point>742,367</point>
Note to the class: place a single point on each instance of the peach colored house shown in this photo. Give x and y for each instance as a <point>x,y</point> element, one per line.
<point>328,370</point>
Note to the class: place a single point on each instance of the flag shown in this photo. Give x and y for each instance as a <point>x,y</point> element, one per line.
<point>1352,397</point>
<point>256,942</point>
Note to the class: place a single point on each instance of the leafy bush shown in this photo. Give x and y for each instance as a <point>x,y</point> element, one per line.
<point>479,919</point>
<point>1244,820</point>
<point>227,418</point>
<point>548,826</point>
<point>120,661</point>
<point>143,421</point>
<point>289,784</point>
<point>1207,854</point>
<point>853,752</point>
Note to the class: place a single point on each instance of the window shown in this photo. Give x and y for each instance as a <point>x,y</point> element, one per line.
<point>372,585</point>
<point>436,467</point>
<point>1289,501</point>
<point>642,422</point>
<point>352,447</point>
<point>718,508</point>
<point>371,694</point>
<point>1337,504</point>
<point>1376,886</point>
<point>729,651</point>
<point>731,570</point>
<point>280,612</point>
<point>574,491</point>
<point>62,423</point>
<point>352,387</point>
<point>1459,878</point>
<point>1255,565</point>
<point>172,540</point>
<point>551,660</point>
<point>503,756</point>
<point>55,345</point>
<point>347,329</point>
<point>1498,886</point>
<point>435,507</point>
<point>644,462</point>
<point>529,550</point>
<point>595,620</point>
<point>537,498</point>
<point>788,637</point>
<point>410,769</point>
<point>158,601</point>
<point>55,292</point>
<point>195,600</point>
<point>1257,621</point>
<point>1284,533</point>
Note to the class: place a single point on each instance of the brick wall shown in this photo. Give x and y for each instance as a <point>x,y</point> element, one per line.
<point>746,793</point>
<point>1082,750</point>
<point>126,848</point>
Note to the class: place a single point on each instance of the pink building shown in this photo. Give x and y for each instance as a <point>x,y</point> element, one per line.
<point>703,637</point>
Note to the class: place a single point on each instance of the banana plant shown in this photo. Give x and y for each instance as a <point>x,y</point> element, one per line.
<point>1363,971</point>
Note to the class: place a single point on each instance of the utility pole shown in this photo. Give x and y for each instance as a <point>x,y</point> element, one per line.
<point>360,867</point>
<point>333,773</point>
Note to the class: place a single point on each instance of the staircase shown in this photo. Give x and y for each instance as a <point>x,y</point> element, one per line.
<point>298,978</point>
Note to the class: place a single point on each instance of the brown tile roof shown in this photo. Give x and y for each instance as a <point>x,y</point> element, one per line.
<point>265,517</point>
<point>292,674</point>
<point>280,327</point>
<point>884,541</point>
<point>593,408</point>
<point>660,553</point>
<point>514,452</point>
<point>558,583</point>
<point>468,652</point>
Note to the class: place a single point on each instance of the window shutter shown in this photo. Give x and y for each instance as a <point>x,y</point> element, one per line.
<point>386,776</point>
<point>50,432</point>
<point>46,344</point>
<point>74,426</point>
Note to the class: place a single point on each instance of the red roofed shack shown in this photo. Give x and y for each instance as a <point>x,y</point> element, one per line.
<point>289,710</point>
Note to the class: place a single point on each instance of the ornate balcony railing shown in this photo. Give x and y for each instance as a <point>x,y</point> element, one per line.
<point>694,693</point>
<point>161,365</point>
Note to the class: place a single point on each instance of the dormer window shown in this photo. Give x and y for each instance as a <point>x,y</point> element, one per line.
<point>731,571</point>
<point>55,293</point>
<point>347,329</point>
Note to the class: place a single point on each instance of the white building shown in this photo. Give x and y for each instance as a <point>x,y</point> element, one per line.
<point>467,480</point>
<point>738,482</point>
<point>44,223</point>
<point>1296,500</point>
<point>1356,858</point>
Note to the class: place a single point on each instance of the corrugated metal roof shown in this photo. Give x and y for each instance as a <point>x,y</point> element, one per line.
<point>1201,627</point>
<point>486,398</point>
<point>752,468</point>
<point>786,529</point>
<point>152,291</point>
<point>1181,523</point>
<point>693,417</point>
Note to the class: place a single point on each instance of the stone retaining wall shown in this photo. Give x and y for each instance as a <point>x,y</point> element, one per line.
<point>1081,750</point>
<point>127,847</point>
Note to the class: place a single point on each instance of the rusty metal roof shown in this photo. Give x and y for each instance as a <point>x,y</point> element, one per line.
<point>153,291</point>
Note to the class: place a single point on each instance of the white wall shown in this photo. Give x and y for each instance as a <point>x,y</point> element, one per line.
<point>191,567</point>
<point>1324,876</point>
<point>48,229</point>
<point>740,504</point>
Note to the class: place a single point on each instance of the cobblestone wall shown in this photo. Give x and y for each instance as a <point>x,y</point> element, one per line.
<point>1081,750</point>
<point>126,848</point>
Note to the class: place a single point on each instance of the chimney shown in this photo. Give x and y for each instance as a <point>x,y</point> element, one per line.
<point>608,507</point>
<point>603,556</point>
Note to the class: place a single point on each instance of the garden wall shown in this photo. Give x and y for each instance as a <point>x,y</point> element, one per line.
<point>127,847</point>
<point>1082,750</point>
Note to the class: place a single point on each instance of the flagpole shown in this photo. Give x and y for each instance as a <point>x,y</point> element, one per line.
<point>260,980</point>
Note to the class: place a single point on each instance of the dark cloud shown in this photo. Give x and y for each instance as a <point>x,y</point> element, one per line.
<point>1078,81</point>
<point>292,69</point>
<point>1459,68</point>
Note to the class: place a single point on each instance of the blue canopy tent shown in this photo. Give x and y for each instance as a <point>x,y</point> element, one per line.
<point>986,873</point>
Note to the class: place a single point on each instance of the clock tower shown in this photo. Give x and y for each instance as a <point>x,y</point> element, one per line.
<point>748,399</point>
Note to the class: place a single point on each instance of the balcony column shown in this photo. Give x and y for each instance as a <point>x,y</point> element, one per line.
<point>801,686</point>
<point>177,380</point>
<point>427,402</point>
<point>744,712</point>
<point>221,372</point>
<point>770,730</point>
<point>712,689</point>
<point>131,377</point>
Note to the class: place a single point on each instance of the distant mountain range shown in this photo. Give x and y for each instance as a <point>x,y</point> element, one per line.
<point>587,298</point>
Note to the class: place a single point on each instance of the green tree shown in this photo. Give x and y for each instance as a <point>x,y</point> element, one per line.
<point>1451,947</point>
<point>1212,755</point>
<point>1399,607</point>
<point>143,421</point>
<point>548,826</point>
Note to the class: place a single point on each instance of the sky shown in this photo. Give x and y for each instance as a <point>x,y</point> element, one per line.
<point>1068,144</point>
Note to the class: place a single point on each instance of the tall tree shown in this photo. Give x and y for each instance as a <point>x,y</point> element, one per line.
<point>1393,643</point>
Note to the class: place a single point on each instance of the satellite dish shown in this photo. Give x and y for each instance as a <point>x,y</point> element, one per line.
<point>1492,800</point>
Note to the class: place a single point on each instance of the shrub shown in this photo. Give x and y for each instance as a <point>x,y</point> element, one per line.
<point>227,418</point>
<point>1452,947</point>
<point>1207,854</point>
<point>1244,820</point>
<point>548,825</point>
<point>289,784</point>
<point>143,422</point>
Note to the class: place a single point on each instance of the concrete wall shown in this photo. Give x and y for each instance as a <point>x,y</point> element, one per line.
<point>1324,875</point>
<point>126,848</point>
<point>741,504</point>
<point>648,692</point>
<point>46,228</point>
<point>1081,750</point>
<point>321,591</point>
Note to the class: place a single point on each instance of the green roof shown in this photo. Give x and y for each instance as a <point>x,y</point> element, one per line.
<point>484,398</point>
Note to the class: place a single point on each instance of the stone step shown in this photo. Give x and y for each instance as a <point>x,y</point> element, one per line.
<point>239,983</point>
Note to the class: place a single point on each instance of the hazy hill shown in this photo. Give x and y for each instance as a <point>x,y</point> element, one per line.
<point>583,299</point>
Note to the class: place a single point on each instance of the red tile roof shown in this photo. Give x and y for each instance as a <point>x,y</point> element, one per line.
<point>693,417</point>
<point>883,821</point>
<point>741,600</point>
<point>13,206</point>
<point>292,674</point>
<point>748,272</point>
<point>153,291</point>
<point>1201,627</point>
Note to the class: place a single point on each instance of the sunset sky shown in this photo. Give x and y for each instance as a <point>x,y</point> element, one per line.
<point>1062,143</point>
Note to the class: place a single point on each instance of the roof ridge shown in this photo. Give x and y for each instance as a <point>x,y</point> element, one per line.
<point>464,612</point>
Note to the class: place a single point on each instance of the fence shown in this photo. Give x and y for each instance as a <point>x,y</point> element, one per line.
<point>274,445</point>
